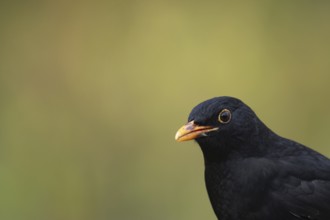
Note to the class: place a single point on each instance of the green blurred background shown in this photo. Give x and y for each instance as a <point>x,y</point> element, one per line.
<point>92,93</point>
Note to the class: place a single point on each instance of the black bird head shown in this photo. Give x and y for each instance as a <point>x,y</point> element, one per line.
<point>222,125</point>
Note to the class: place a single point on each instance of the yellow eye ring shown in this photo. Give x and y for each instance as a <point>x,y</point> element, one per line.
<point>224,116</point>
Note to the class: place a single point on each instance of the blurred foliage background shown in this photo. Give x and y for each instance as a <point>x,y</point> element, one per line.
<point>92,93</point>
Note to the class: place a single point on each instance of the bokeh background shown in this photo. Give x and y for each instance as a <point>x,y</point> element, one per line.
<point>92,93</point>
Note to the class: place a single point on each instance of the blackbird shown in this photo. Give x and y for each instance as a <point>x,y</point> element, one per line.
<point>251,173</point>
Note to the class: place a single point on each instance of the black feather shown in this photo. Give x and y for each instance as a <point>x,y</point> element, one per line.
<point>251,173</point>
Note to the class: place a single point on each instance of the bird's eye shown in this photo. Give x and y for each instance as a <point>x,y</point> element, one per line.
<point>224,116</point>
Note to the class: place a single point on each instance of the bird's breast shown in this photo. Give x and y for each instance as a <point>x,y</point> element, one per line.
<point>237,188</point>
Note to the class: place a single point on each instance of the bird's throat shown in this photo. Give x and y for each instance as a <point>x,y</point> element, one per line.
<point>213,152</point>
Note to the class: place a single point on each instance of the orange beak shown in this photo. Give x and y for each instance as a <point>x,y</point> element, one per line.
<point>191,131</point>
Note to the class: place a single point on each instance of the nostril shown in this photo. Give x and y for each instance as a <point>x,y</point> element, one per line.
<point>198,121</point>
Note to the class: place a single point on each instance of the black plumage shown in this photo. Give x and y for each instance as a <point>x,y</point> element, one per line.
<point>251,173</point>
